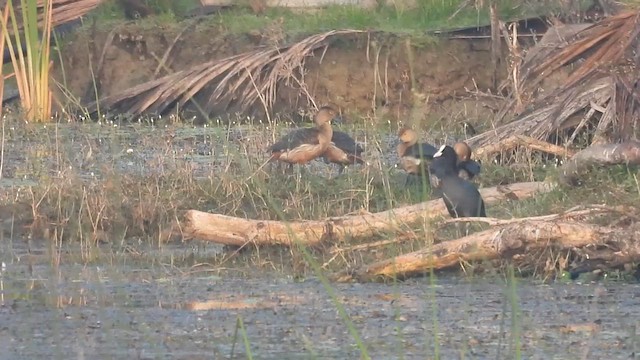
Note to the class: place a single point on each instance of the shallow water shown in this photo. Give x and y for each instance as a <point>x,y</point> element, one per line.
<point>126,308</point>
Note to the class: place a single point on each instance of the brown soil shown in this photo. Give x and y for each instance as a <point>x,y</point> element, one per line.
<point>443,70</point>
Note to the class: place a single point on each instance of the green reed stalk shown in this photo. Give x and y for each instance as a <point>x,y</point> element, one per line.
<point>31,69</point>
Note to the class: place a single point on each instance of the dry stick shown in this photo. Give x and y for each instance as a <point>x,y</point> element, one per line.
<point>368,46</point>
<point>582,124</point>
<point>386,78</point>
<point>371,245</point>
<point>376,68</point>
<point>165,57</point>
<point>106,45</point>
<point>302,85</point>
<point>3,135</point>
<point>495,43</point>
<point>462,6</point>
<point>475,37</point>
<point>574,212</point>
<point>514,65</point>
<point>2,79</point>
<point>191,99</point>
<point>266,110</point>
<point>258,169</point>
<point>324,52</point>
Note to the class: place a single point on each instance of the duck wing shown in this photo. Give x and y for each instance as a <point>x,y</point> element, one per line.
<point>441,168</point>
<point>462,198</point>
<point>472,167</point>
<point>296,138</point>
<point>422,150</point>
<point>345,143</point>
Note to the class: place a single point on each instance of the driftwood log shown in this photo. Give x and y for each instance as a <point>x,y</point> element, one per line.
<point>509,240</point>
<point>605,154</point>
<point>512,142</point>
<point>235,231</point>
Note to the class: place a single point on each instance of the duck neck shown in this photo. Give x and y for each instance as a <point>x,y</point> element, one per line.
<point>451,171</point>
<point>326,133</point>
<point>403,146</point>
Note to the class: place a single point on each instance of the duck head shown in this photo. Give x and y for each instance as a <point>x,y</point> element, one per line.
<point>463,151</point>
<point>408,136</point>
<point>447,152</point>
<point>326,115</point>
<point>444,161</point>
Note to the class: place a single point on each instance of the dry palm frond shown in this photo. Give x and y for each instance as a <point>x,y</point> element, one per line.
<point>606,43</point>
<point>605,79</point>
<point>5,19</point>
<point>68,10</point>
<point>63,10</point>
<point>546,117</point>
<point>241,79</point>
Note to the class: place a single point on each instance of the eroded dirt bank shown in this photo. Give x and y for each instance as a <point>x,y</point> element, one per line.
<point>413,79</point>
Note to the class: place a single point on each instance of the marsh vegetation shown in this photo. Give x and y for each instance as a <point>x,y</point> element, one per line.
<point>92,208</point>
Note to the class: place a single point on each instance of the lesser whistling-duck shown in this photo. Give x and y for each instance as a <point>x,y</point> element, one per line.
<point>343,150</point>
<point>414,156</point>
<point>467,168</point>
<point>460,196</point>
<point>303,145</point>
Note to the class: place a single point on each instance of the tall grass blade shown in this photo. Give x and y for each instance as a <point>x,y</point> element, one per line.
<point>245,338</point>
<point>5,15</point>
<point>31,66</point>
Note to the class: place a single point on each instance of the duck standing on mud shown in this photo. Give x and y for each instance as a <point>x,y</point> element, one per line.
<point>467,168</point>
<point>343,150</point>
<point>460,196</point>
<point>414,156</point>
<point>303,145</point>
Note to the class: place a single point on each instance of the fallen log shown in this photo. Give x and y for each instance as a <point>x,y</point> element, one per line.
<point>514,141</point>
<point>509,240</point>
<point>229,230</point>
<point>604,154</point>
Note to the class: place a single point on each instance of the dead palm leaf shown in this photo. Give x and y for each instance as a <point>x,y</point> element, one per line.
<point>64,10</point>
<point>607,41</point>
<point>241,79</point>
<point>603,79</point>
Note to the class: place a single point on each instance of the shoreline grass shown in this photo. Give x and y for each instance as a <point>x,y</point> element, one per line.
<point>425,16</point>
